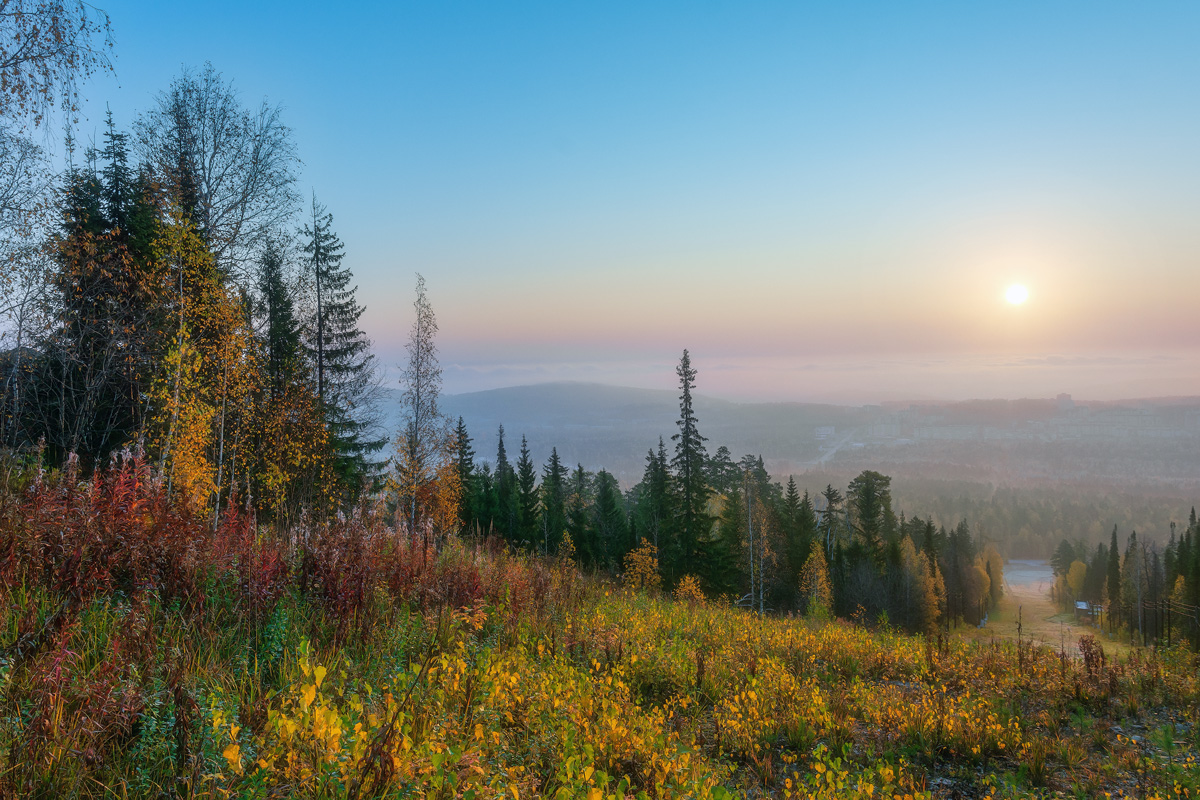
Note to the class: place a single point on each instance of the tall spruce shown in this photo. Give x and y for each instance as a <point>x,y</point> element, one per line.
<point>1114,572</point>
<point>285,454</point>
<point>869,497</point>
<point>554,501</point>
<point>278,323</point>
<point>344,365</point>
<point>579,504</point>
<point>610,535</point>
<point>527,496</point>
<point>105,310</point>
<point>653,511</point>
<point>507,498</point>
<point>797,530</point>
<point>831,514</point>
<point>465,456</point>
<point>689,465</point>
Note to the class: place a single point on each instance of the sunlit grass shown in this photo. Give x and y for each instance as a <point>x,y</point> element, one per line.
<point>479,673</point>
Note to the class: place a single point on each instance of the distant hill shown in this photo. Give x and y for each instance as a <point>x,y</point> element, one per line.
<point>1136,444</point>
<point>612,427</point>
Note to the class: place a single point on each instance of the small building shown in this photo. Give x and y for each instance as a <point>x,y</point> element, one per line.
<point>1084,611</point>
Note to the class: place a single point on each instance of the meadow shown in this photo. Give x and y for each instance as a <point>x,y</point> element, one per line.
<point>144,653</point>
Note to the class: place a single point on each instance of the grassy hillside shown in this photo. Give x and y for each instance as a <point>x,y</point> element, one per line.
<point>146,655</point>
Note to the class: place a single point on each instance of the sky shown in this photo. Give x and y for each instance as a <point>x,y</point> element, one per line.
<point>821,201</point>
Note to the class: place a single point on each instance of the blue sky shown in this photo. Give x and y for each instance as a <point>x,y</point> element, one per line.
<point>796,192</point>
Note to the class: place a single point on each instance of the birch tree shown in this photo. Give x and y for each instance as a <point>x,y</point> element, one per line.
<point>425,444</point>
<point>234,168</point>
<point>46,47</point>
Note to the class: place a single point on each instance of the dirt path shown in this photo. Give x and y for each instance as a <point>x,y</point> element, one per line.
<point>1027,597</point>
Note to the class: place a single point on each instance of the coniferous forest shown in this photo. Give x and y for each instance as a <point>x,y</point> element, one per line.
<point>220,576</point>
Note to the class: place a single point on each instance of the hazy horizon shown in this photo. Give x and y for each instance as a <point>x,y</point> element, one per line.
<point>820,202</point>
<point>862,381</point>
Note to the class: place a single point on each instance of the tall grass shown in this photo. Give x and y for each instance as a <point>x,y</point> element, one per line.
<point>146,653</point>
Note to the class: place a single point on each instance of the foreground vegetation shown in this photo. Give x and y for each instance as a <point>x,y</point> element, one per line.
<point>147,655</point>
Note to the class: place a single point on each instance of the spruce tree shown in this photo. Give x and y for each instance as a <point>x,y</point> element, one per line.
<point>281,333</point>
<point>106,298</point>
<point>1114,573</point>
<point>465,456</point>
<point>554,501</point>
<point>653,509</point>
<point>869,497</point>
<point>929,541</point>
<point>507,497</point>
<point>731,533</point>
<point>286,455</point>
<point>344,366</point>
<point>579,504</point>
<point>609,521</point>
<point>527,495</point>
<point>795,540</point>
<point>723,475</point>
<point>484,505</point>
<point>693,522</point>
<point>791,501</point>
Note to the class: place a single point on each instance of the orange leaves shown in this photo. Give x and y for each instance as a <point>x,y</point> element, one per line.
<point>641,568</point>
<point>688,590</point>
<point>426,482</point>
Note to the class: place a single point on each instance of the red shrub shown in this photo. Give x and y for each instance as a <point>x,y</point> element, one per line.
<point>260,564</point>
<point>117,532</point>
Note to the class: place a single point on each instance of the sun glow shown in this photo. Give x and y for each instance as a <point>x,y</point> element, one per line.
<point>1016,294</point>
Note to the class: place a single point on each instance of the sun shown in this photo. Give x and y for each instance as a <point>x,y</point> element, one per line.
<point>1016,294</point>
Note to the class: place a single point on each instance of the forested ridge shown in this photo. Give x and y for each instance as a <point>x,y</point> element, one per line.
<point>725,526</point>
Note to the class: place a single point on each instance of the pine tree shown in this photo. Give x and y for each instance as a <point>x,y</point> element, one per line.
<point>554,501</point>
<point>693,522</point>
<point>797,535</point>
<point>345,367</point>
<point>288,455</point>
<point>611,537</point>
<point>107,333</point>
<point>507,497</point>
<point>281,331</point>
<point>653,507</point>
<point>465,457</point>
<point>579,503</point>
<point>527,496</point>
<point>869,497</point>
<point>1114,573</point>
<point>723,475</point>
